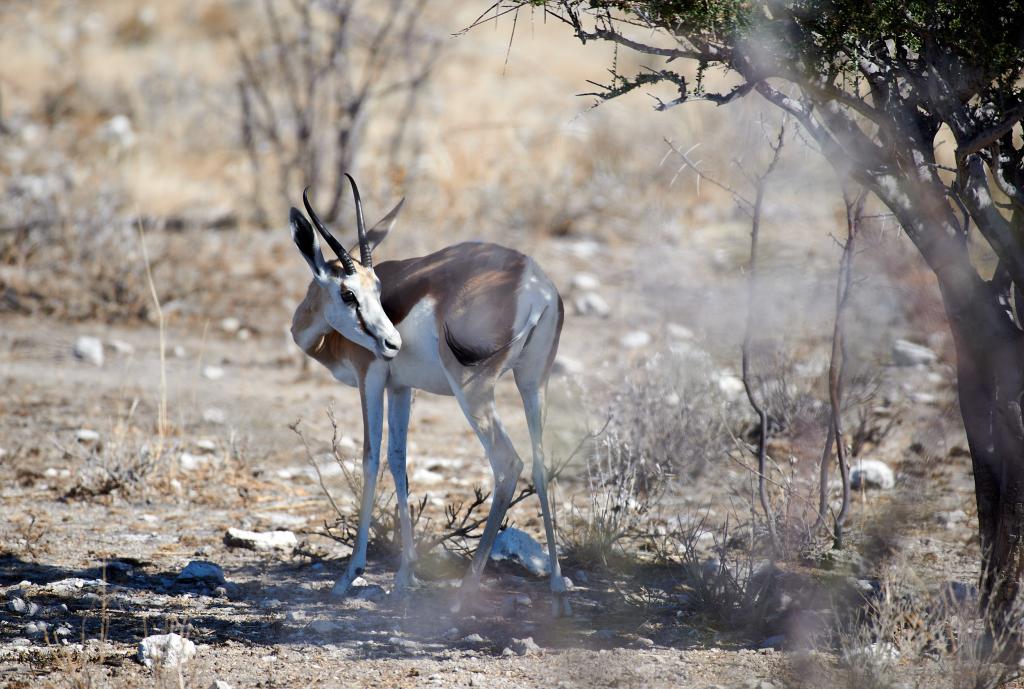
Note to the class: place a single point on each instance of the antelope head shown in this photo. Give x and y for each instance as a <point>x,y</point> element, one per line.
<point>353,305</point>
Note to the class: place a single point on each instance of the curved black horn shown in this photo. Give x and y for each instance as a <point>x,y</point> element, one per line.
<point>364,244</point>
<point>335,245</point>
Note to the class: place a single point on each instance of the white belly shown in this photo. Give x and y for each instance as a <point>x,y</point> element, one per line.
<point>418,364</point>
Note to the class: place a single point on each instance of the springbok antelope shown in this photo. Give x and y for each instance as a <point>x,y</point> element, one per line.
<point>450,323</point>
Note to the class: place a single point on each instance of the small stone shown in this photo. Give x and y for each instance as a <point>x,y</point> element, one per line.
<point>121,347</point>
<point>190,462</point>
<point>202,570</point>
<point>87,437</point>
<point>473,640</point>
<point>214,415</point>
<point>871,473</point>
<point>644,642</point>
<point>165,651</point>
<point>17,606</point>
<point>906,353</point>
<point>35,629</point>
<point>89,349</point>
<point>211,372</point>
<point>324,627</point>
<point>514,604</point>
<point>230,325</point>
<point>591,304</point>
<point>179,352</point>
<point>635,339</point>
<point>407,645</point>
<point>220,684</point>
<point>585,282</point>
<point>206,447</point>
<point>63,631</point>
<point>679,332</point>
<point>221,592</point>
<point>566,366</point>
<point>262,541</point>
<point>731,385</point>
<point>951,519</point>
<point>523,647</point>
<point>518,546</point>
<point>372,593</point>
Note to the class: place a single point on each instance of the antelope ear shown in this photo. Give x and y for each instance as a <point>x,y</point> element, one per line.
<point>378,232</point>
<point>309,246</point>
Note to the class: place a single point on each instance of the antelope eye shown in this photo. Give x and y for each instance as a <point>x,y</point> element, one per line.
<point>348,297</point>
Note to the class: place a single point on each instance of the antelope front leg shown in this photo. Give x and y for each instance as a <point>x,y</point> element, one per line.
<point>399,403</point>
<point>372,396</point>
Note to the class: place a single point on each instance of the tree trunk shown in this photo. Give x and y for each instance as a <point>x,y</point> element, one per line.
<point>990,373</point>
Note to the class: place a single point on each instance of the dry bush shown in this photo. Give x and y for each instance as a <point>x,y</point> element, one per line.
<point>724,579</point>
<point>616,509</point>
<point>937,640</point>
<point>670,418</point>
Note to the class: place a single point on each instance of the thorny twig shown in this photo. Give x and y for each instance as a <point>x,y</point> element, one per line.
<point>760,182</point>
<point>836,368</point>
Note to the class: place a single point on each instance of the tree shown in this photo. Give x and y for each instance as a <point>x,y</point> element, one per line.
<point>878,86</point>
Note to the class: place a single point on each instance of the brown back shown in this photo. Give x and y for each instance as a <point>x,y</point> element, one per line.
<point>476,286</point>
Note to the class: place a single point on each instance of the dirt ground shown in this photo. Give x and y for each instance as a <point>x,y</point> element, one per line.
<point>114,477</point>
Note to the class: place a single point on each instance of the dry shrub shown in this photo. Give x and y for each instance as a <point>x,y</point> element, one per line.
<point>617,506</point>
<point>907,637</point>
<point>670,417</point>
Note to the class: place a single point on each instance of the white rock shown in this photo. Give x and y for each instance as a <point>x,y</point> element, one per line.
<point>211,372</point>
<point>347,442</point>
<point>951,519</point>
<point>89,349</point>
<point>166,651</point>
<point>262,541</point>
<point>191,462</point>
<point>121,347</point>
<point>522,647</point>
<point>230,325</point>
<point>591,304</point>
<point>117,131</point>
<point>518,546</point>
<point>87,436</point>
<point>322,626</point>
<point>585,282</point>
<point>220,684</point>
<point>731,385</point>
<point>906,353</point>
<point>201,570</point>
<point>679,332</point>
<point>871,473</point>
<point>207,447</point>
<point>635,339</point>
<point>214,415</point>
<point>566,366</point>
<point>179,352</point>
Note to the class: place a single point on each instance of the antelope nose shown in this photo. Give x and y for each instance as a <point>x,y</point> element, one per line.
<point>390,346</point>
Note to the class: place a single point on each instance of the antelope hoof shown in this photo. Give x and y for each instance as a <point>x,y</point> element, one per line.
<point>467,600</point>
<point>405,581</point>
<point>342,586</point>
<point>560,606</point>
